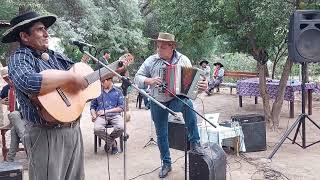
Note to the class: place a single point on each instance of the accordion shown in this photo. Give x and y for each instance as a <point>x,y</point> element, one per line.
<point>180,80</point>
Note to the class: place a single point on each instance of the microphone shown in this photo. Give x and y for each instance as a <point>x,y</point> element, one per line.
<point>80,44</point>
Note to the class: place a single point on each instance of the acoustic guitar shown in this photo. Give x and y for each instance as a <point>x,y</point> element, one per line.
<point>65,105</point>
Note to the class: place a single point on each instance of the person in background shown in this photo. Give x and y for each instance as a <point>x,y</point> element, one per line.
<point>104,59</point>
<point>217,77</point>
<point>106,110</point>
<point>16,122</point>
<point>204,64</point>
<point>146,100</point>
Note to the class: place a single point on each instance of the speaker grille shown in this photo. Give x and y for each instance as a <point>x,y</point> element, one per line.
<point>308,44</point>
<point>304,36</point>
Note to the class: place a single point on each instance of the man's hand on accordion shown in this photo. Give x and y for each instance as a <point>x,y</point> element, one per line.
<point>202,85</point>
<point>153,81</point>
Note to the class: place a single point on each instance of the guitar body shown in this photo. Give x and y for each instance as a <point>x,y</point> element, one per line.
<point>64,104</point>
<point>54,108</point>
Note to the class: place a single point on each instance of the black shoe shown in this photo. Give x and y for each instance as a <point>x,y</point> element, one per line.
<point>165,169</point>
<point>208,92</point>
<point>114,149</point>
<point>197,148</point>
<point>126,137</point>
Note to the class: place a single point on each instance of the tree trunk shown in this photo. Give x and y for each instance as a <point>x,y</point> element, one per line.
<point>261,56</point>
<point>264,92</point>
<point>266,71</point>
<point>273,70</point>
<point>277,105</point>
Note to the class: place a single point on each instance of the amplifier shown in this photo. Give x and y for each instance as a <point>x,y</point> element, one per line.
<point>254,131</point>
<point>11,171</point>
<point>211,166</point>
<point>176,134</point>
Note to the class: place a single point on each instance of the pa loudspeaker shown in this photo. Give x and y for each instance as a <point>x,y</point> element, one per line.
<point>254,131</point>
<point>304,36</point>
<point>210,166</point>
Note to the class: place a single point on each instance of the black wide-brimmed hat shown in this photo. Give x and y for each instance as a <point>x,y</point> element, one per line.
<point>218,63</point>
<point>22,21</point>
<point>203,61</point>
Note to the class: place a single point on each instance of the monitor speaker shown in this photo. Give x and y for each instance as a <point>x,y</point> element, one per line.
<point>176,134</point>
<point>254,131</point>
<point>211,166</point>
<point>304,36</point>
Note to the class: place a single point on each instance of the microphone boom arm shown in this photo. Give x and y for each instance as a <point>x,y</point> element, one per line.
<point>127,80</point>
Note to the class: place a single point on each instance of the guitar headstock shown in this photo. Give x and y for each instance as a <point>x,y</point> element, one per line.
<point>126,59</point>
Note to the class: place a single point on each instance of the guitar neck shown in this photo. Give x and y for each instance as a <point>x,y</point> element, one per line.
<point>93,77</point>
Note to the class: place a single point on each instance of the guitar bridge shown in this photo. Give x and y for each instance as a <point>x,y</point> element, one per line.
<point>63,97</point>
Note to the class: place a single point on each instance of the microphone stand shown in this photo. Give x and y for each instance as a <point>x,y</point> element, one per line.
<point>185,106</point>
<point>128,83</point>
<point>172,94</point>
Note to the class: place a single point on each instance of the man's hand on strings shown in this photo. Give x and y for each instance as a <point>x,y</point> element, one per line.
<point>78,83</point>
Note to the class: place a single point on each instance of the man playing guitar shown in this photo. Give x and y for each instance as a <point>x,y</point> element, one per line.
<point>52,148</point>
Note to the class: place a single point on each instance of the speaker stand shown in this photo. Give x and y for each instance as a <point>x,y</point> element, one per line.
<point>151,140</point>
<point>301,120</point>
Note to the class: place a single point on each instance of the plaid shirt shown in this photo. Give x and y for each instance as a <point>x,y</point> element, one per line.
<point>24,67</point>
<point>109,100</point>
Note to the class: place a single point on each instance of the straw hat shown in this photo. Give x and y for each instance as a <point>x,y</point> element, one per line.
<point>166,37</point>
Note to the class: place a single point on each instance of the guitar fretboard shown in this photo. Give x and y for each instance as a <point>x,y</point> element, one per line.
<point>93,77</point>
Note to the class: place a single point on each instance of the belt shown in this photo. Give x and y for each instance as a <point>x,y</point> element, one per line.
<point>56,125</point>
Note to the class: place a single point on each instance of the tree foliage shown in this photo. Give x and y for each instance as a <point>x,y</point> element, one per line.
<point>197,23</point>
<point>114,25</point>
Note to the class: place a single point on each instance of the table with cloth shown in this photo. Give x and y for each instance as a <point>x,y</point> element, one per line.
<point>222,135</point>
<point>250,87</point>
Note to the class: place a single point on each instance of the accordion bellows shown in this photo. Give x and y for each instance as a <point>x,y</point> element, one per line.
<point>180,80</point>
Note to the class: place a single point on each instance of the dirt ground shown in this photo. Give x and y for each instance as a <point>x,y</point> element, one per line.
<point>290,162</point>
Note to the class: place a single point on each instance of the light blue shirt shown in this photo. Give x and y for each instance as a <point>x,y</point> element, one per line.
<point>221,72</point>
<point>151,69</point>
<point>207,70</point>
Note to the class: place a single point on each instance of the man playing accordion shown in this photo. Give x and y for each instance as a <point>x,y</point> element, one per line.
<point>148,74</point>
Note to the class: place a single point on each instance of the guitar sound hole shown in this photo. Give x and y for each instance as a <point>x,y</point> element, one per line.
<point>63,97</point>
